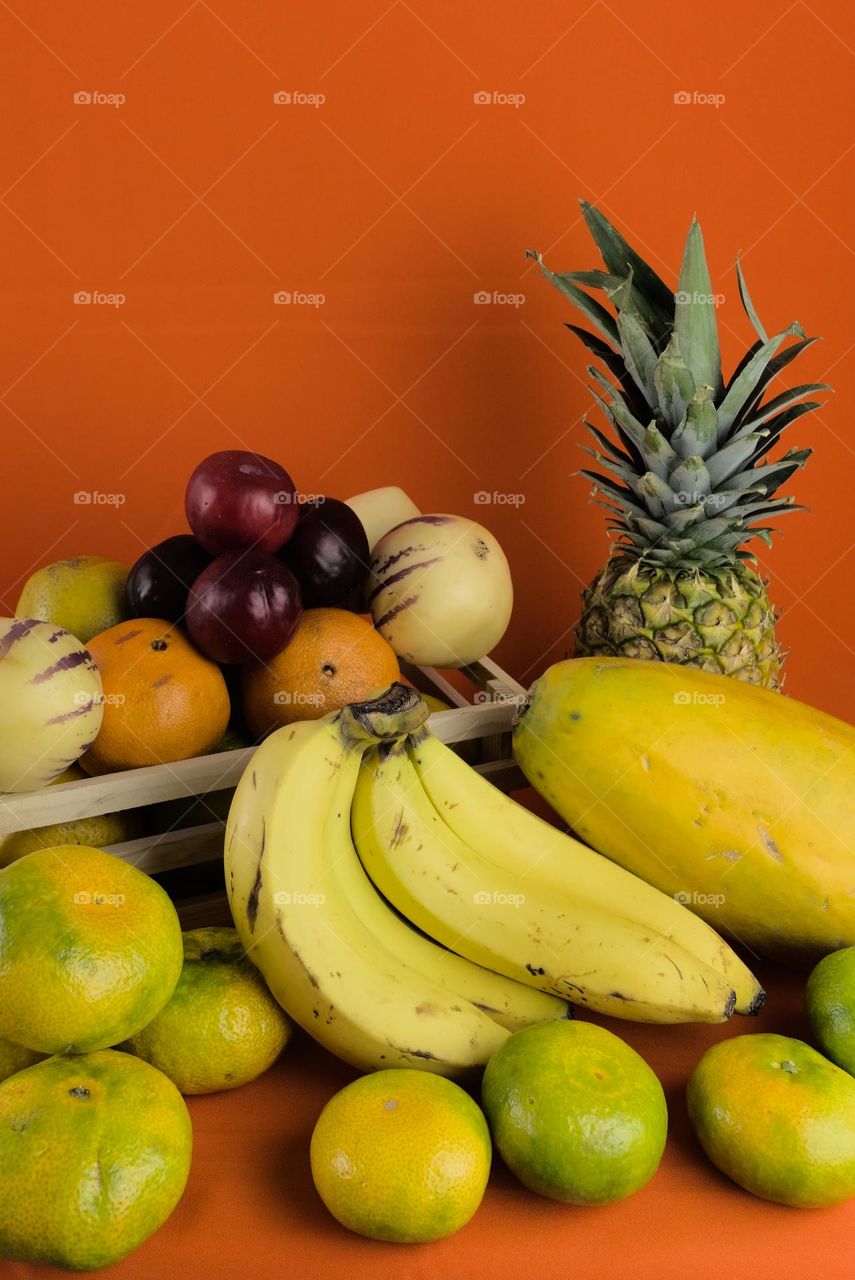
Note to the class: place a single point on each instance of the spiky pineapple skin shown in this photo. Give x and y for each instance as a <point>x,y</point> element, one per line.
<point>719,620</point>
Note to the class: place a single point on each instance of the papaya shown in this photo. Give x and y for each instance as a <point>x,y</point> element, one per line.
<point>738,801</point>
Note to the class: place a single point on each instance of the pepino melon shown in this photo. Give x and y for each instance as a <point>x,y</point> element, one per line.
<point>738,801</point>
<point>51,702</point>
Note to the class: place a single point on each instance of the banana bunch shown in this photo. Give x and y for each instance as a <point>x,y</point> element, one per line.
<point>346,967</point>
<point>496,884</point>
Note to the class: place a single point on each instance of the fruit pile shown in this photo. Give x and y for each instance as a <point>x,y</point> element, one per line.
<point>273,609</point>
<point>93,961</point>
<point>387,899</point>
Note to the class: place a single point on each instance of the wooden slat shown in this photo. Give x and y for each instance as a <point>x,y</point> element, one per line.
<point>204,911</point>
<point>135,788</point>
<point>183,848</point>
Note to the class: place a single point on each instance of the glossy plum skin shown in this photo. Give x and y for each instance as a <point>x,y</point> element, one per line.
<point>236,499</point>
<point>160,581</point>
<point>244,607</point>
<point>328,554</point>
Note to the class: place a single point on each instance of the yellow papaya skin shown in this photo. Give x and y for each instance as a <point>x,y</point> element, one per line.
<point>738,800</point>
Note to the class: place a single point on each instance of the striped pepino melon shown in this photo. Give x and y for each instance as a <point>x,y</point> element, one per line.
<point>440,591</point>
<point>51,702</point>
<point>738,801</point>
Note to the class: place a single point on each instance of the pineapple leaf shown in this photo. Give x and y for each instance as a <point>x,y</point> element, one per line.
<point>599,317</point>
<point>711,530</point>
<point>773,368</point>
<point>748,304</point>
<point>657,452</point>
<point>780,508</point>
<point>771,407</point>
<point>733,457</point>
<point>615,409</point>
<point>690,481</point>
<point>684,517</point>
<point>698,431</point>
<point>694,317</point>
<point>624,498</point>
<point>592,279</point>
<point>673,383</point>
<point>742,387</point>
<point>652,496</point>
<point>618,255</point>
<point>639,354</point>
<point>652,529</point>
<point>759,479</point>
<point>774,429</point>
<point>615,450</point>
<point>613,361</point>
<point>623,472</point>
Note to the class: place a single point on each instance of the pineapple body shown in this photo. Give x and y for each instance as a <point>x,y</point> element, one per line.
<point>721,621</point>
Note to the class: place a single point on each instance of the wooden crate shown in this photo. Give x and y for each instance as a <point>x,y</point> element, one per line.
<point>481,719</point>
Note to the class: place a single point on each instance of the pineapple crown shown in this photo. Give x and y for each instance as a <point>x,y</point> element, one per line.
<point>687,483</point>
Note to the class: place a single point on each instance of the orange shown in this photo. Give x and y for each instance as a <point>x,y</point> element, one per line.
<point>335,657</point>
<point>220,1027</point>
<point>401,1155</point>
<point>95,1153</point>
<point>90,950</point>
<point>162,699</point>
<point>777,1118</point>
<point>576,1113</point>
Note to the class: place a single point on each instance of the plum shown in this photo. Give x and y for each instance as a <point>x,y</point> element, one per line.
<point>159,582</point>
<point>236,500</point>
<point>328,554</point>
<point>244,607</point>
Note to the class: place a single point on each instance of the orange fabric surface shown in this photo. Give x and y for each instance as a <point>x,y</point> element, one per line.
<point>251,1212</point>
<point>399,199</point>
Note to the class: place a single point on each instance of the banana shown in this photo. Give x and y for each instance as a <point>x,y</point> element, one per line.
<point>557,942</point>
<point>516,841</point>
<point>339,960</point>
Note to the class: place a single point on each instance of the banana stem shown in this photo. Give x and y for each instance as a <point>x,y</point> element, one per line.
<point>395,713</point>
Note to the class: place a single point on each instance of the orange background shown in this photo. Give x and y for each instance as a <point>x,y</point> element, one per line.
<point>398,199</point>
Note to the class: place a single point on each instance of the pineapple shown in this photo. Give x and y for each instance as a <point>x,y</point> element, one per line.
<point>685,473</point>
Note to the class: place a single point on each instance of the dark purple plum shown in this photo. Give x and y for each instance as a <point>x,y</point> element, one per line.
<point>328,554</point>
<point>159,582</point>
<point>244,607</point>
<point>237,500</point>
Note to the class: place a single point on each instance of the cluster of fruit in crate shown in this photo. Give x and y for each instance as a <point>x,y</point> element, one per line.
<point>253,620</point>
<point>423,926</point>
